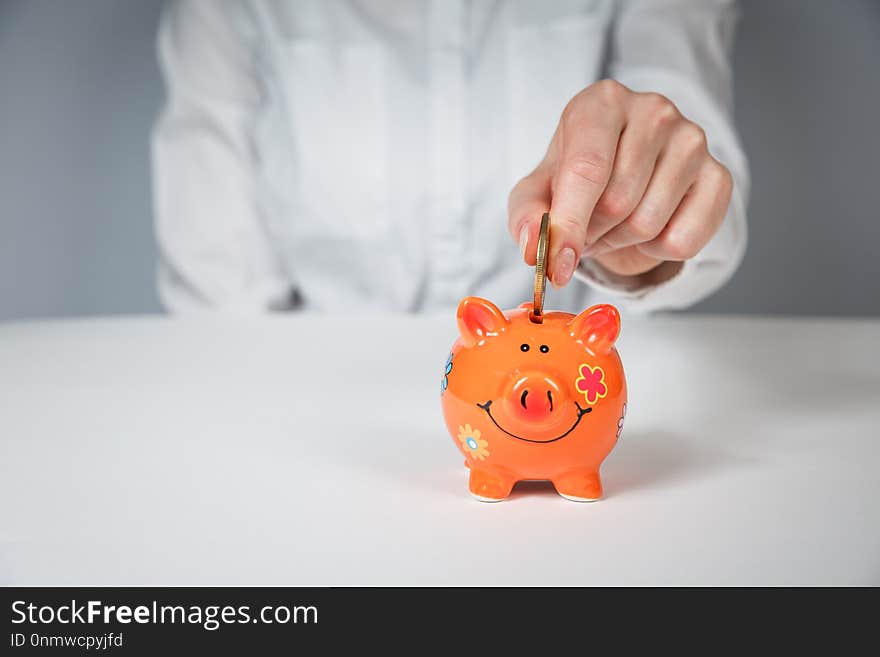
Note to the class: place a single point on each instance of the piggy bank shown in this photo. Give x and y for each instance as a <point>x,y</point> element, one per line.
<point>529,398</point>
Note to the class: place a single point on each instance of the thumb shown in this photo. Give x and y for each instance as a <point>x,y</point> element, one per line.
<point>529,200</point>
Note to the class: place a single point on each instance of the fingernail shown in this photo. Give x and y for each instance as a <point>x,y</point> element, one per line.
<point>523,240</point>
<point>563,267</point>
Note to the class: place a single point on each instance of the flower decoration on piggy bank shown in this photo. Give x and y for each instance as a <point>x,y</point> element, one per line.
<point>529,398</point>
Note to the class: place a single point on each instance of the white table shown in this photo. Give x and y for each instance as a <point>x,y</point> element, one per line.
<point>221,451</point>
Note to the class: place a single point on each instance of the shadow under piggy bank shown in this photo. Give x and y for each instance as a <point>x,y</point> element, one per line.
<point>658,459</point>
<point>642,460</point>
<point>647,460</point>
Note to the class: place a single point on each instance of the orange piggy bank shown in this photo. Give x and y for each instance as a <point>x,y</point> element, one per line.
<point>534,398</point>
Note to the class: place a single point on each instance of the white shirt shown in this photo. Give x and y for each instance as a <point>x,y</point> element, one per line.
<point>357,155</point>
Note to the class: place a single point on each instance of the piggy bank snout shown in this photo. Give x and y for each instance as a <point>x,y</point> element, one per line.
<point>534,396</point>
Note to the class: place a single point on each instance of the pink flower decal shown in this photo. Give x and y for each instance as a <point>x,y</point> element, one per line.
<point>591,383</point>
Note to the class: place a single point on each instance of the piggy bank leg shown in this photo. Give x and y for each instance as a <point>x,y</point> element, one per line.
<point>488,487</point>
<point>579,486</point>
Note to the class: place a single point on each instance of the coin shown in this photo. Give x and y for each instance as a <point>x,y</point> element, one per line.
<point>541,266</point>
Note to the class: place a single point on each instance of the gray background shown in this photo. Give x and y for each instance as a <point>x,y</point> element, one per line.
<point>79,88</point>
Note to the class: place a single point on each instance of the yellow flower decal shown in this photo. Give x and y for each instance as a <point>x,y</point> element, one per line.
<point>472,443</point>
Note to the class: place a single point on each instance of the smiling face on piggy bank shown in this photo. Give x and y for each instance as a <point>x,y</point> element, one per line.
<point>527,400</point>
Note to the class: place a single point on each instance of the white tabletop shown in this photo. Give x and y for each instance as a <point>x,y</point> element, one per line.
<point>310,451</point>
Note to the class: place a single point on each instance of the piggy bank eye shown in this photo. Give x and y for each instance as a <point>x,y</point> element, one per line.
<point>544,349</point>
<point>524,347</point>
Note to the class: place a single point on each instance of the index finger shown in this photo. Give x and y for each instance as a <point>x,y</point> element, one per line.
<point>589,130</point>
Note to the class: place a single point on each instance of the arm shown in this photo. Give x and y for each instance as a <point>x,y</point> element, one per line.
<point>648,180</point>
<point>213,246</point>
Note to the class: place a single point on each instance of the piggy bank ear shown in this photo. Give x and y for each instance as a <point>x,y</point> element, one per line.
<point>597,327</point>
<point>479,319</point>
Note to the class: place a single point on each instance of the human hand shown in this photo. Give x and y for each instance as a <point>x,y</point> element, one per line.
<point>628,181</point>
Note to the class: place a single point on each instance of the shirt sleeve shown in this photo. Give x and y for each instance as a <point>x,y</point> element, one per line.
<point>214,251</point>
<point>682,49</point>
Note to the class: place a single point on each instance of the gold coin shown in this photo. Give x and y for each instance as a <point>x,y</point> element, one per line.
<point>541,265</point>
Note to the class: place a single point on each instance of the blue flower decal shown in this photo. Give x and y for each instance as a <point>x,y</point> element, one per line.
<point>445,382</point>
